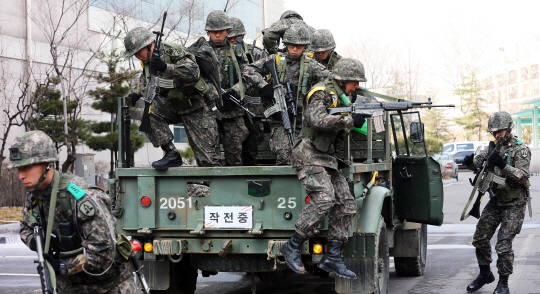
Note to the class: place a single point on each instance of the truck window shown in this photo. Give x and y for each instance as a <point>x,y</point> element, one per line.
<point>401,144</point>
<point>448,148</point>
<point>466,146</point>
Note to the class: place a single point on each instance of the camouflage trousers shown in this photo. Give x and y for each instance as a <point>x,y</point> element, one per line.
<point>279,141</point>
<point>128,286</point>
<point>250,146</point>
<point>330,195</point>
<point>233,132</point>
<point>511,219</point>
<point>201,129</point>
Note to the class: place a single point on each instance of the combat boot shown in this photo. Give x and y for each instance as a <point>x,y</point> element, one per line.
<point>291,252</point>
<point>485,277</point>
<point>502,286</point>
<point>332,262</point>
<point>171,159</point>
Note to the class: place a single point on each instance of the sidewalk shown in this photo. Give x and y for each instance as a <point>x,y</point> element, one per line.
<point>9,228</point>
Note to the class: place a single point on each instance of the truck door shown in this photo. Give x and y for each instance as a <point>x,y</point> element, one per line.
<point>417,180</point>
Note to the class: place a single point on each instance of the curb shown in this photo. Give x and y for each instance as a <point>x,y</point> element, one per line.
<point>9,228</point>
<point>449,181</point>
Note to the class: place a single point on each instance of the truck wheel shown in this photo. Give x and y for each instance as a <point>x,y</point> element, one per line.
<point>182,278</point>
<point>372,273</point>
<point>414,266</point>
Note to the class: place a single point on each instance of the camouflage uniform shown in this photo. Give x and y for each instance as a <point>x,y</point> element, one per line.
<point>184,104</point>
<point>322,41</point>
<point>275,32</point>
<point>233,128</point>
<point>93,225</point>
<point>254,75</point>
<point>509,214</point>
<point>250,146</point>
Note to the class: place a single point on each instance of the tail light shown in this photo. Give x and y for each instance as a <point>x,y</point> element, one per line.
<point>449,165</point>
<point>317,248</point>
<point>146,201</point>
<point>136,245</point>
<point>308,199</point>
<point>148,247</point>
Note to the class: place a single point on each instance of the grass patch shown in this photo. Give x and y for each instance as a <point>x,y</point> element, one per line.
<point>10,214</point>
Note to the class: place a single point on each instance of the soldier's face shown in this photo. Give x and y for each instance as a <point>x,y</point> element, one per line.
<point>295,50</point>
<point>351,87</point>
<point>30,175</point>
<point>142,55</point>
<point>499,135</point>
<point>323,55</point>
<point>232,40</point>
<point>218,36</point>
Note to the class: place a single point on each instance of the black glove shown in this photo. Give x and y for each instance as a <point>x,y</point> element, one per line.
<point>354,96</point>
<point>225,96</point>
<point>468,160</point>
<point>58,266</point>
<point>359,119</point>
<point>157,64</point>
<point>134,98</point>
<point>55,241</point>
<point>267,93</point>
<point>497,160</point>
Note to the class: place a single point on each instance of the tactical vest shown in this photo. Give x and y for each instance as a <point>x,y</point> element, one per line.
<point>322,140</point>
<point>510,190</point>
<point>231,71</point>
<point>281,65</point>
<point>334,58</point>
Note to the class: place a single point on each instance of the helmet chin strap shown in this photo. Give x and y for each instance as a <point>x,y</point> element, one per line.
<point>41,179</point>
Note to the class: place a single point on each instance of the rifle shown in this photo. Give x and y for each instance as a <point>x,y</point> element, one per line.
<point>238,102</point>
<point>378,108</point>
<point>140,275</point>
<point>280,99</point>
<point>42,268</point>
<point>152,85</point>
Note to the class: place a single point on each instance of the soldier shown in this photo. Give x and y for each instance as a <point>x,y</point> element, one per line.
<point>314,159</point>
<point>182,88</point>
<point>277,30</point>
<point>323,46</point>
<point>510,160</point>
<point>81,210</point>
<point>294,67</point>
<point>233,128</point>
<point>250,146</point>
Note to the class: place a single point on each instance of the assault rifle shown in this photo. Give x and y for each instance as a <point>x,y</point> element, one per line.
<point>284,101</point>
<point>42,268</point>
<point>149,93</point>
<point>378,108</point>
<point>238,102</point>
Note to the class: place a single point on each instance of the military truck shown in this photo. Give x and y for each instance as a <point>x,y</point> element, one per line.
<point>234,219</point>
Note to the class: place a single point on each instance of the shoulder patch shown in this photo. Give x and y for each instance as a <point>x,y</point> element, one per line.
<point>87,208</point>
<point>524,153</point>
<point>76,191</point>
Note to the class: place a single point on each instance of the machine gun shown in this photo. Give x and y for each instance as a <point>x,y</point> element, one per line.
<point>483,183</point>
<point>238,102</point>
<point>375,109</point>
<point>283,102</point>
<point>149,93</point>
<point>42,268</point>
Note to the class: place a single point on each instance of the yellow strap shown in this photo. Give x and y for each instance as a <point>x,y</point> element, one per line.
<point>142,64</point>
<point>313,90</point>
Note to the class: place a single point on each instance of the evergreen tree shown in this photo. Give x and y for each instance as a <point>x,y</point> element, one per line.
<point>474,117</point>
<point>106,133</point>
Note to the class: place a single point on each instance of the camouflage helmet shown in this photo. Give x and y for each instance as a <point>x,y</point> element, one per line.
<point>349,69</point>
<point>500,120</point>
<point>297,34</point>
<point>218,20</point>
<point>238,28</point>
<point>322,41</point>
<point>32,148</point>
<point>290,14</point>
<point>137,39</point>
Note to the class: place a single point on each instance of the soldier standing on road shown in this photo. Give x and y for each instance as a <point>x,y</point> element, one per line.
<point>233,129</point>
<point>250,146</point>
<point>507,208</point>
<point>314,159</point>
<point>182,89</point>
<point>294,67</point>
<point>94,264</point>
<point>277,30</point>
<point>323,46</point>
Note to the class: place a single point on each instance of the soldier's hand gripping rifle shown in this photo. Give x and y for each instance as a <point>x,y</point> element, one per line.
<point>150,93</point>
<point>237,102</point>
<point>42,268</point>
<point>281,101</point>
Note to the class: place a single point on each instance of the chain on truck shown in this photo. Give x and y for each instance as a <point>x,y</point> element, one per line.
<point>234,219</point>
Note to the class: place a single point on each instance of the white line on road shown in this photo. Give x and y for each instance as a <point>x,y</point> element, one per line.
<point>27,275</point>
<point>449,246</point>
<point>2,256</point>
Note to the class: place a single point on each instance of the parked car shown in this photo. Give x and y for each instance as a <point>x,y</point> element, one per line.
<point>455,147</point>
<point>448,166</point>
<point>459,156</point>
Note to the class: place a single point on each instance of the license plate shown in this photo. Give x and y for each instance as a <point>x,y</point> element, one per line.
<point>228,217</point>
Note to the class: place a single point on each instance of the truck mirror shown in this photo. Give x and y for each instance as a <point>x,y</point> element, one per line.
<point>417,132</point>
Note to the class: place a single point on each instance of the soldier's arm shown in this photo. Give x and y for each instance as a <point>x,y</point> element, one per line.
<point>478,159</point>
<point>273,34</point>
<point>520,173</point>
<point>317,72</point>
<point>26,231</point>
<point>317,117</point>
<point>254,73</point>
<point>242,64</point>
<point>185,69</point>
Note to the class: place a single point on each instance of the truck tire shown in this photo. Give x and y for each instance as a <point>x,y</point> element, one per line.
<point>372,273</point>
<point>234,263</point>
<point>182,278</point>
<point>414,266</point>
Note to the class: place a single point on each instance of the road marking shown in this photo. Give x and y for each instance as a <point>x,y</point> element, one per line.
<point>449,246</point>
<point>17,256</point>
<point>523,254</point>
<point>26,275</point>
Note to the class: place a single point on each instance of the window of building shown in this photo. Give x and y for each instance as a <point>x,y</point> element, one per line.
<point>535,90</point>
<point>512,77</point>
<point>512,93</point>
<point>488,83</point>
<point>179,132</point>
<point>524,90</point>
<point>534,71</point>
<point>524,74</point>
<point>501,80</point>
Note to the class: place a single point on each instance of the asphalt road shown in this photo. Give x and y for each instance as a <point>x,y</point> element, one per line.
<point>451,262</point>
